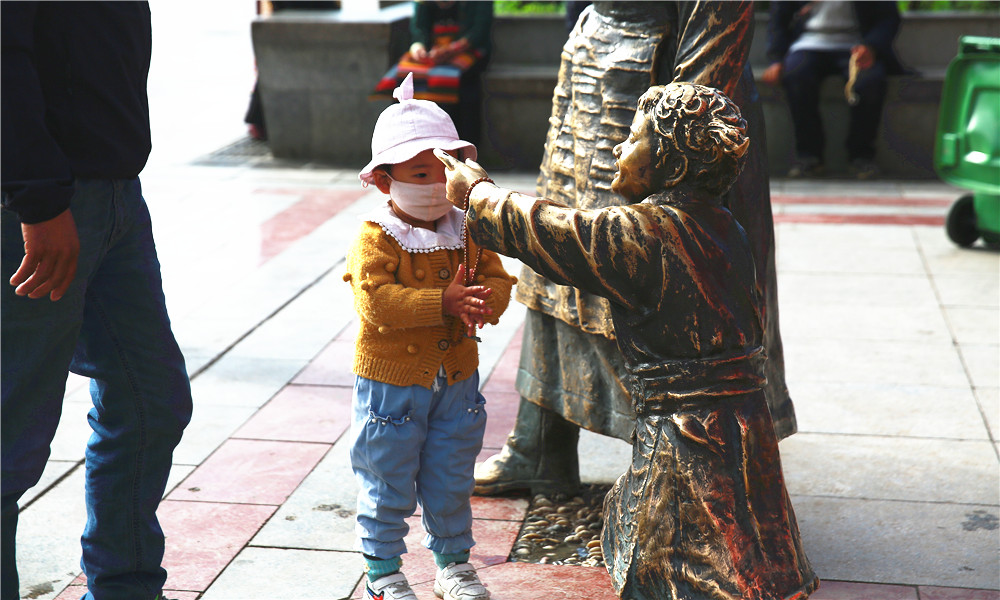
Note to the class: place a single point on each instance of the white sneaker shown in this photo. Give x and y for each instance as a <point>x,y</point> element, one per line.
<point>390,587</point>
<point>459,582</point>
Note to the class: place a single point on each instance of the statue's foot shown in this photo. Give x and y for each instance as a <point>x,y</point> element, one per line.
<point>511,472</point>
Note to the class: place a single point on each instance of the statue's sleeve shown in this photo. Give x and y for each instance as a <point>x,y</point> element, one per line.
<point>713,43</point>
<point>605,251</point>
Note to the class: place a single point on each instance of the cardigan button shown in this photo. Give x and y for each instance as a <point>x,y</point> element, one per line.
<point>443,344</point>
<point>390,267</point>
<point>419,273</point>
<point>412,349</point>
<point>383,329</point>
<point>443,273</point>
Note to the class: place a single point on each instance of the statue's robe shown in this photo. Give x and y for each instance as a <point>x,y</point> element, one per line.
<point>569,362</point>
<point>702,512</point>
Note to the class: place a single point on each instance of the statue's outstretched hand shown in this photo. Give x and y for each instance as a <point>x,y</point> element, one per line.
<point>460,176</point>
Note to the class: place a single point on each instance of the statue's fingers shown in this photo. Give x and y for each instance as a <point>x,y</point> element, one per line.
<point>447,159</point>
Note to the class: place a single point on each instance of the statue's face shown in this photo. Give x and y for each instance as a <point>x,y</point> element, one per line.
<point>635,178</point>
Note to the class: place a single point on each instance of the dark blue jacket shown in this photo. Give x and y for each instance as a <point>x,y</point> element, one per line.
<point>878,22</point>
<point>74,99</point>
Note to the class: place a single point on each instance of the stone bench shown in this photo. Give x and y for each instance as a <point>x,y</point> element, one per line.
<point>316,70</point>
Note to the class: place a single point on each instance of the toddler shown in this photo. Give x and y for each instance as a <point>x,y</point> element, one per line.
<point>418,416</point>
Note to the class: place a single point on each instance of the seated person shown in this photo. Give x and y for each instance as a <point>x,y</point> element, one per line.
<point>808,42</point>
<point>703,510</point>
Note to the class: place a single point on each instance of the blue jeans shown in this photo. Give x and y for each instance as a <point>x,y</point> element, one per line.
<point>410,444</point>
<point>111,326</point>
<point>803,75</point>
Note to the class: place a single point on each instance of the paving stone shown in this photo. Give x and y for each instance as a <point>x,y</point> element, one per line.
<point>243,381</point>
<point>203,537</point>
<point>923,324</point>
<point>320,514</point>
<point>855,290</point>
<point>883,468</point>
<point>963,289</point>
<point>48,539</point>
<point>974,325</point>
<point>845,590</point>
<point>501,414</point>
<point>70,441</point>
<point>602,459</point>
<point>300,413</point>
<point>983,364</point>
<point>251,471</point>
<point>941,593</point>
<point>331,367</point>
<point>54,470</point>
<point>906,543</point>
<point>519,581</point>
<point>890,362</point>
<point>872,409</point>
<point>211,425</point>
<point>278,573</point>
<point>989,403</point>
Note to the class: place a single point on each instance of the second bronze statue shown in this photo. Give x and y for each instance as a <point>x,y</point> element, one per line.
<point>702,512</point>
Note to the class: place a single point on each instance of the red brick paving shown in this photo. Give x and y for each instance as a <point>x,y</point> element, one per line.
<point>251,472</point>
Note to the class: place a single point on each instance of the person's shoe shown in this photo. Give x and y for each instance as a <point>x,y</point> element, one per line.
<point>390,587</point>
<point>459,581</point>
<point>864,169</point>
<point>806,168</point>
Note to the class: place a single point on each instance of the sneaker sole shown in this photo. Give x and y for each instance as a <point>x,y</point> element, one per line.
<point>439,592</point>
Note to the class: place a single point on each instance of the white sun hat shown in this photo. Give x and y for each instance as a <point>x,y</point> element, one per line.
<point>406,129</point>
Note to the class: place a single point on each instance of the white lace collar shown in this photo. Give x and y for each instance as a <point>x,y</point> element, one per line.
<point>417,239</point>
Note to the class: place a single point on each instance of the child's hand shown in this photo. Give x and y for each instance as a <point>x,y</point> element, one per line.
<point>468,303</point>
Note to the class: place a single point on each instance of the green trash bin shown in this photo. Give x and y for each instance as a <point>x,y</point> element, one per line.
<point>967,149</point>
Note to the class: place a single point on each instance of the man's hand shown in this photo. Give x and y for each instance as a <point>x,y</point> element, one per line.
<point>863,55</point>
<point>468,303</point>
<point>443,54</point>
<point>772,74</point>
<point>460,176</point>
<point>419,52</point>
<point>51,249</point>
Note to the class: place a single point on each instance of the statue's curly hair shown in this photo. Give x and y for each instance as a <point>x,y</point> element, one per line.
<point>702,140</point>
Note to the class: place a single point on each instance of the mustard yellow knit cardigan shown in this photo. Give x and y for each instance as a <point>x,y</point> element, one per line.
<point>405,337</point>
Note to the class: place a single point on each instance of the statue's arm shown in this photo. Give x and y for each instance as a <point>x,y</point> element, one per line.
<point>604,252</point>
<point>713,43</point>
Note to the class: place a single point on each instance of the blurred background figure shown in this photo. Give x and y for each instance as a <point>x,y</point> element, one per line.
<point>809,41</point>
<point>450,50</point>
<point>254,117</point>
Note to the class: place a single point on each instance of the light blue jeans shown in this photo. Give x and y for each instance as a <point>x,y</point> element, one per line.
<point>111,326</point>
<point>413,444</point>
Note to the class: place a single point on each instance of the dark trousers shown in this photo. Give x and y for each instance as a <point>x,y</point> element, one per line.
<point>468,112</point>
<point>804,72</point>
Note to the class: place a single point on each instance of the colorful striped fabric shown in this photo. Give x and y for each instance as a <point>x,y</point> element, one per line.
<point>434,82</point>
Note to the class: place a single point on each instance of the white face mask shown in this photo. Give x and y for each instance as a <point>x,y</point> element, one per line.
<point>424,201</point>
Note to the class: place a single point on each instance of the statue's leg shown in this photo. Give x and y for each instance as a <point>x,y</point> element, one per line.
<point>539,456</point>
<point>567,379</point>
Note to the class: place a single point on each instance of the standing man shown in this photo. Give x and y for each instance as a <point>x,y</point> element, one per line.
<point>810,41</point>
<point>84,291</point>
<point>571,373</point>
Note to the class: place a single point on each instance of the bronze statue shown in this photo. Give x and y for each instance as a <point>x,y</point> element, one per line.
<point>702,513</point>
<point>571,372</point>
